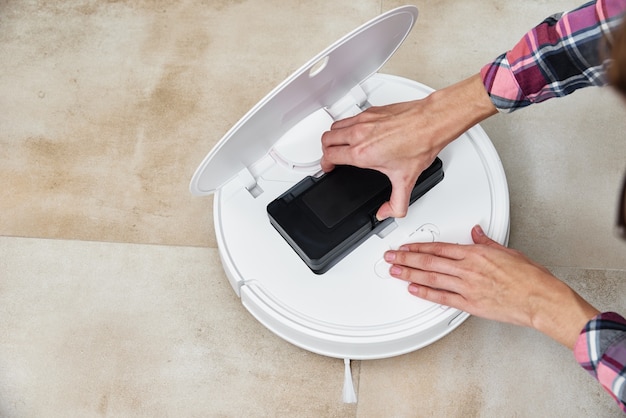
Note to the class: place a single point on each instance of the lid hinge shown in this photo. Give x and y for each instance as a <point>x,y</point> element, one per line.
<point>351,104</point>
<point>249,182</point>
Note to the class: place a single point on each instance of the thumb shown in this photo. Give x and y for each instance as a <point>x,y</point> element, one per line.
<point>398,203</point>
<point>326,165</point>
<point>479,236</point>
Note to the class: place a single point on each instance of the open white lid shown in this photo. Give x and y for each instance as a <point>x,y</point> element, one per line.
<point>321,82</point>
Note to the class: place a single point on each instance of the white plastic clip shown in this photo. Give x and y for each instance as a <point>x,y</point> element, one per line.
<point>349,395</point>
<point>351,104</point>
<point>249,182</point>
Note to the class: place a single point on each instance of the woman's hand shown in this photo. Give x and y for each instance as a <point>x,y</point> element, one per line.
<point>401,140</point>
<point>494,282</point>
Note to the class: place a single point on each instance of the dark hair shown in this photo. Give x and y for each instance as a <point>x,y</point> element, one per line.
<point>617,70</point>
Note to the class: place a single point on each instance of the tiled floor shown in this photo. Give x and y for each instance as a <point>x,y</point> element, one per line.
<point>112,296</point>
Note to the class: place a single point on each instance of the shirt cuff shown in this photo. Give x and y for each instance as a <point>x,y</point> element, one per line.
<point>601,350</point>
<point>502,86</point>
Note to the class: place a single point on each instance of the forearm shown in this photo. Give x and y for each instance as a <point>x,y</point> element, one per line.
<point>457,108</point>
<point>598,340</point>
<point>560,313</point>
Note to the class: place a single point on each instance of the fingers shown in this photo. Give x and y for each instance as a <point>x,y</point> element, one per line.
<point>373,113</point>
<point>401,186</point>
<point>438,249</point>
<point>386,211</point>
<point>442,297</point>
<point>426,268</point>
<point>434,281</point>
<point>335,137</point>
<point>398,204</point>
<point>326,165</point>
<point>425,278</point>
<point>345,134</point>
<point>336,155</point>
<point>364,141</point>
<point>437,271</point>
<point>337,149</point>
<point>479,237</point>
<point>344,123</point>
<point>340,132</point>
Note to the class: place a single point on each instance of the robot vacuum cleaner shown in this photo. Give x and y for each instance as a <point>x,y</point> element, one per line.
<point>351,309</point>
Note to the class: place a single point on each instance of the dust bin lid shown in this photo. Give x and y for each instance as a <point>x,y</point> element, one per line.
<point>320,83</point>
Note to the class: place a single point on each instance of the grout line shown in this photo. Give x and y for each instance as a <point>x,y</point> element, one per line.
<point>358,384</point>
<point>551,266</point>
<point>97,242</point>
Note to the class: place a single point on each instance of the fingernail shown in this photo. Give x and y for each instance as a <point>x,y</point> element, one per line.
<point>395,270</point>
<point>380,216</point>
<point>413,289</point>
<point>390,256</point>
<point>403,248</point>
<point>479,230</point>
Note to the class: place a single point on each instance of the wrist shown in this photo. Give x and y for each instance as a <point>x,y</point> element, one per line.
<point>561,314</point>
<point>460,106</point>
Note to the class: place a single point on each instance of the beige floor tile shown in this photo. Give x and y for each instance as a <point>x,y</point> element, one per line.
<point>564,158</point>
<point>93,329</point>
<point>99,329</point>
<point>565,164</point>
<point>108,107</point>
<point>488,369</point>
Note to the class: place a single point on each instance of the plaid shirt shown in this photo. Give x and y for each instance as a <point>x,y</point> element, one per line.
<point>564,53</point>
<point>601,350</point>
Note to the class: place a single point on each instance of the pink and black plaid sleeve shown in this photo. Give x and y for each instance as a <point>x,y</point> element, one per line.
<point>564,53</point>
<point>601,350</point>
